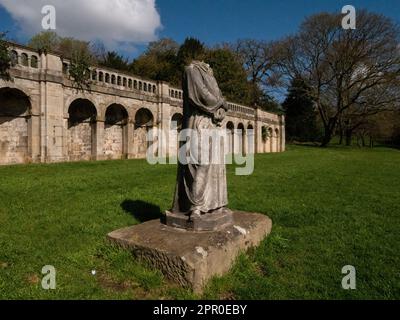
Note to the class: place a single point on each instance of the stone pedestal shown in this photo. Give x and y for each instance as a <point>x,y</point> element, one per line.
<point>191,258</point>
<point>208,222</point>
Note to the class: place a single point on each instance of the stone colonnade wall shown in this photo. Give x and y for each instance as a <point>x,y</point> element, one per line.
<point>44,119</point>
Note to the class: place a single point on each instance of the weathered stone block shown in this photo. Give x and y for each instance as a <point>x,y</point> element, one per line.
<point>209,222</point>
<point>191,258</point>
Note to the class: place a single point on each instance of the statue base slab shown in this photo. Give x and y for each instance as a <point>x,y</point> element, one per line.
<point>191,258</point>
<point>207,222</point>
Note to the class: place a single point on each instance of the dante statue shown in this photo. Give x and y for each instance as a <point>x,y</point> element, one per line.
<point>201,188</point>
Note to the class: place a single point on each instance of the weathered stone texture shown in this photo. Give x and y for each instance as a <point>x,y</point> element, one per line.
<point>52,104</point>
<point>190,258</point>
<point>13,140</point>
<point>80,141</point>
<point>113,141</point>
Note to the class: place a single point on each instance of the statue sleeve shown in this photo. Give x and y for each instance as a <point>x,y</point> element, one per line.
<point>198,93</point>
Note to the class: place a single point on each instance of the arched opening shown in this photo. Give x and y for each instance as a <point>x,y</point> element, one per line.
<point>94,75</point>
<point>144,121</point>
<point>15,115</point>
<point>264,138</point>
<point>241,139</point>
<point>277,144</point>
<point>176,127</point>
<point>34,62</point>
<point>230,127</point>
<point>14,58</point>
<point>81,130</point>
<point>115,125</point>
<point>271,139</point>
<point>250,139</point>
<point>24,60</point>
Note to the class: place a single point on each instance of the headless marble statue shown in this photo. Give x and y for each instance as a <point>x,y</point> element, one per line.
<point>201,190</point>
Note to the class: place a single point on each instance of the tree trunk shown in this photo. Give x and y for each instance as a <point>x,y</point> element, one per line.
<point>349,135</point>
<point>363,140</point>
<point>341,133</point>
<point>326,139</point>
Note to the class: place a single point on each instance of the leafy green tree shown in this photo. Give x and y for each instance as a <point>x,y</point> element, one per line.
<point>45,41</point>
<point>5,60</point>
<point>79,52</point>
<point>115,61</point>
<point>159,62</point>
<point>230,74</point>
<point>268,103</point>
<point>191,49</point>
<point>301,118</point>
<point>79,69</point>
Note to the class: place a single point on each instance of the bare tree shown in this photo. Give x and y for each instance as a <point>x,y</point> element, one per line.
<point>258,58</point>
<point>353,74</point>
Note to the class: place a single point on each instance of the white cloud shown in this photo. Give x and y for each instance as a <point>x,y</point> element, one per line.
<point>118,23</point>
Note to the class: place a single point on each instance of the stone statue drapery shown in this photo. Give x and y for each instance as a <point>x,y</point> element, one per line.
<point>201,188</point>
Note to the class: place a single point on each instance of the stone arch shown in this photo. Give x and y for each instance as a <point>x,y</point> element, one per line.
<point>73,96</point>
<point>115,132</point>
<point>241,138</point>
<point>144,122</point>
<point>34,62</point>
<point>24,60</point>
<point>81,130</point>
<point>276,138</point>
<point>271,139</point>
<point>230,128</point>
<point>14,57</point>
<point>15,118</point>
<point>264,138</point>
<point>250,135</point>
<point>176,127</point>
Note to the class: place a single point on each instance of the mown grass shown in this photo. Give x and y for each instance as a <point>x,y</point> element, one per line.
<point>330,208</point>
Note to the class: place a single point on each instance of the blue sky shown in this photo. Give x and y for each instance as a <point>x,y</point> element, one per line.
<point>215,21</point>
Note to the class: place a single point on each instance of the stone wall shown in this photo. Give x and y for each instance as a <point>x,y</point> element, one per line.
<point>58,123</point>
<point>113,141</point>
<point>13,140</point>
<point>80,141</point>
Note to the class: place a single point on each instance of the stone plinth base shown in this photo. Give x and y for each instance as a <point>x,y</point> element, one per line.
<point>208,222</point>
<point>191,258</point>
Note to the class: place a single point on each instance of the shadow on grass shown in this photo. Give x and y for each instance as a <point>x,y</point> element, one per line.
<point>141,210</point>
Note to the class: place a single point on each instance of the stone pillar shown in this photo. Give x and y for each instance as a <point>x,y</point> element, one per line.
<point>130,127</point>
<point>283,134</point>
<point>66,138</point>
<point>165,121</point>
<point>98,140</point>
<point>43,122</point>
<point>34,130</point>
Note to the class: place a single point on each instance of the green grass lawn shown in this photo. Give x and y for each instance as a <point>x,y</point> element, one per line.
<point>330,208</point>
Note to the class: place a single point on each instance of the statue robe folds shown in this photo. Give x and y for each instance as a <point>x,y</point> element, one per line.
<point>201,186</point>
